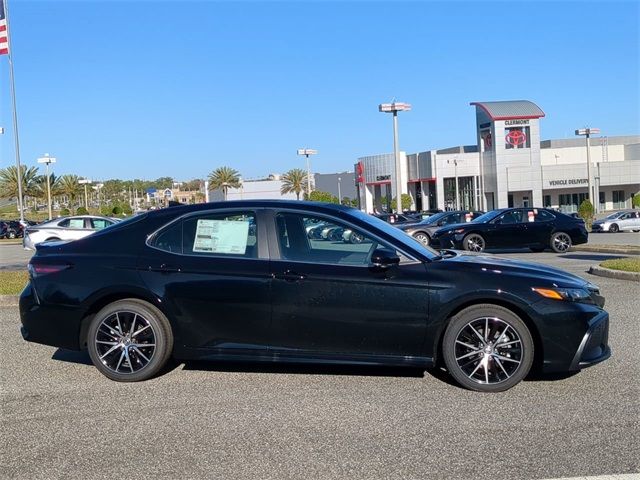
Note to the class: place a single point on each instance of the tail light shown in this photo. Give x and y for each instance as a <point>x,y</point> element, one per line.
<point>39,270</point>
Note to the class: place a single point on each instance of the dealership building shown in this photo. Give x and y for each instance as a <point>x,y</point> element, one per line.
<point>508,167</point>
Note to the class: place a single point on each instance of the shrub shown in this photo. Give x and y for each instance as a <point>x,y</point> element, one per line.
<point>636,200</point>
<point>105,210</point>
<point>65,212</point>
<point>126,209</point>
<point>320,196</point>
<point>117,210</point>
<point>406,201</point>
<point>585,211</point>
<point>82,211</point>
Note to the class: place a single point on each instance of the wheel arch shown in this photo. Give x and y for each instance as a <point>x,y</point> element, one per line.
<point>538,353</point>
<point>99,302</point>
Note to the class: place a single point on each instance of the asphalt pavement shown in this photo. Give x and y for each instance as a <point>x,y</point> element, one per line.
<point>62,419</point>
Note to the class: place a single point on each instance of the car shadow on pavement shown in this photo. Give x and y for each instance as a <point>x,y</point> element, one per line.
<point>590,257</point>
<point>303,369</point>
<point>72,356</point>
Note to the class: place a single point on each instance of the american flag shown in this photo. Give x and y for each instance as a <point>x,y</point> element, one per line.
<point>4,42</point>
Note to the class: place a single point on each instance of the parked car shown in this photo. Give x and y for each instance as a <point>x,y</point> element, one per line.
<point>191,282</point>
<point>622,221</point>
<point>64,228</point>
<point>4,229</point>
<point>14,229</point>
<point>396,218</point>
<point>424,230</point>
<point>533,228</point>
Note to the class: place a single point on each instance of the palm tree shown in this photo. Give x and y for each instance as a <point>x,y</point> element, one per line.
<point>294,181</point>
<point>70,188</point>
<point>40,186</point>
<point>9,181</point>
<point>224,177</point>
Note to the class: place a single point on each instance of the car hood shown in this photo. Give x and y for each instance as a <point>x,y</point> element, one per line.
<point>504,266</point>
<point>454,226</point>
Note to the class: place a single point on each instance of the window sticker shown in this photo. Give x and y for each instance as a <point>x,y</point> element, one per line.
<point>221,236</point>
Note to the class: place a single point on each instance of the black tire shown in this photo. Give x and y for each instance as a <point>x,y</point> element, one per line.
<point>536,249</point>
<point>135,357</point>
<point>12,234</point>
<point>560,242</point>
<point>471,362</point>
<point>474,242</point>
<point>422,237</point>
<point>614,228</point>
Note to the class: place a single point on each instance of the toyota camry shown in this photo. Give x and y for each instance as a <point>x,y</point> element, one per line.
<point>243,280</point>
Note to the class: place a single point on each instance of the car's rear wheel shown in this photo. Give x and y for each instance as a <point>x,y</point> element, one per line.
<point>560,242</point>
<point>614,228</point>
<point>487,348</point>
<point>129,340</point>
<point>474,243</point>
<point>422,237</point>
<point>356,238</point>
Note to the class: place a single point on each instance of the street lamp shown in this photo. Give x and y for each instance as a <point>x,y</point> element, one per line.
<point>587,132</point>
<point>47,160</point>
<point>339,193</point>
<point>455,169</point>
<point>394,108</point>
<point>85,182</point>
<point>306,152</point>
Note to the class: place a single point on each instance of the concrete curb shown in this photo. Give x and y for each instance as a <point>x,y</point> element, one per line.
<point>621,250</point>
<point>610,273</point>
<point>9,300</point>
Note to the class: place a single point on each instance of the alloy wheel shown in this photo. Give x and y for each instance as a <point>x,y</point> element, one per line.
<point>474,243</point>
<point>488,350</point>
<point>423,238</point>
<point>125,342</point>
<point>561,242</point>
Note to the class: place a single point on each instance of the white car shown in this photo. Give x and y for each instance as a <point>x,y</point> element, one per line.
<point>623,221</point>
<point>64,228</point>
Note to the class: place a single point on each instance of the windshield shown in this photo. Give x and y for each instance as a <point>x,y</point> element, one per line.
<point>433,218</point>
<point>614,215</point>
<point>487,217</point>
<point>396,233</point>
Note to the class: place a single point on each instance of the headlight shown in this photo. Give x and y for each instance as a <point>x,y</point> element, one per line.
<point>568,294</point>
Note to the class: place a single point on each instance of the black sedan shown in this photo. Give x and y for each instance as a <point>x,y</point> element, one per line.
<point>195,282</point>
<point>533,228</point>
<point>424,230</point>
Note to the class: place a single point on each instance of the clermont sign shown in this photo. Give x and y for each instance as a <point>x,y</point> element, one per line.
<point>569,181</point>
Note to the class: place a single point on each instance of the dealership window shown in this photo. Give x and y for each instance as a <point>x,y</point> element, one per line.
<point>546,201</point>
<point>602,200</point>
<point>449,185</point>
<point>517,137</point>
<point>618,199</point>
<point>570,202</point>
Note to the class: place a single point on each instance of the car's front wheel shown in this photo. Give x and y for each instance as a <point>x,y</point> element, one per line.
<point>614,228</point>
<point>422,237</point>
<point>129,340</point>
<point>560,242</point>
<point>474,243</point>
<point>487,348</point>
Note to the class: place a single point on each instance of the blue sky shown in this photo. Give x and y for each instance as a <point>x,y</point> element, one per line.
<point>148,89</point>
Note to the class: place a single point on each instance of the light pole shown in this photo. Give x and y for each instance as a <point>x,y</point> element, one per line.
<point>306,152</point>
<point>587,132</point>
<point>394,108</point>
<point>455,174</point>
<point>85,182</point>
<point>47,160</point>
<point>339,193</point>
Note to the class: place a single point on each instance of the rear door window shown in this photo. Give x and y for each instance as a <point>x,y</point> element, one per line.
<point>226,234</point>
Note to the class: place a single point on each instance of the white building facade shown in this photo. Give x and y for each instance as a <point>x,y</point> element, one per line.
<point>508,167</point>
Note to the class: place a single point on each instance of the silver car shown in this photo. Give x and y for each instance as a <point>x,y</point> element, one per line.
<point>622,221</point>
<point>64,228</point>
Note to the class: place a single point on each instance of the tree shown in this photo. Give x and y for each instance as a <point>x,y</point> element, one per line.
<point>294,181</point>
<point>9,181</point>
<point>406,201</point>
<point>82,211</point>
<point>40,186</point>
<point>224,177</point>
<point>586,211</point>
<point>636,200</point>
<point>320,196</point>
<point>70,188</point>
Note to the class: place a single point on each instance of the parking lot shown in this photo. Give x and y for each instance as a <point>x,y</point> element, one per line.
<point>61,418</point>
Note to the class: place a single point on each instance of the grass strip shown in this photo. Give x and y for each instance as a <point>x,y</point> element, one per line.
<point>12,282</point>
<point>623,264</point>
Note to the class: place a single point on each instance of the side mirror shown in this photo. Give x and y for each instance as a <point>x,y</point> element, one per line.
<point>384,259</point>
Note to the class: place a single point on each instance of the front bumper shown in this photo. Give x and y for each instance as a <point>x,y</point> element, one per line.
<point>595,228</point>
<point>594,347</point>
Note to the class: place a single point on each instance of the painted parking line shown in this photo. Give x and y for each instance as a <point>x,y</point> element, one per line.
<point>621,476</point>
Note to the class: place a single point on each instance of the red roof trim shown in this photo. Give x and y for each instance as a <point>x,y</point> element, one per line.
<point>513,117</point>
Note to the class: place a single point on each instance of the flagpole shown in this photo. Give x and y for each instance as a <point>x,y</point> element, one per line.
<point>15,114</point>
